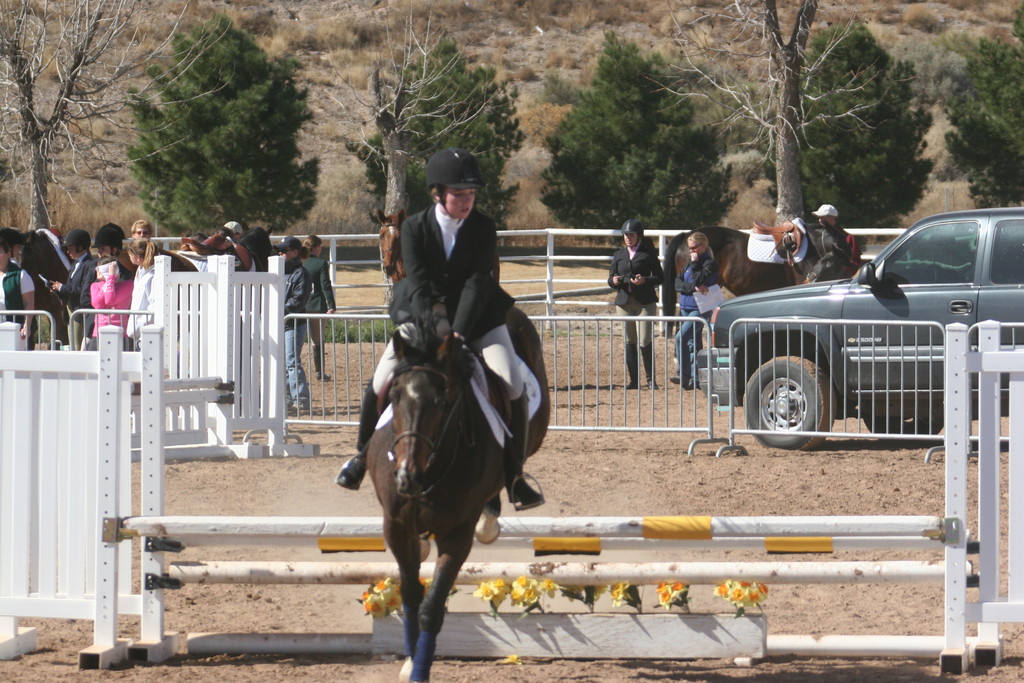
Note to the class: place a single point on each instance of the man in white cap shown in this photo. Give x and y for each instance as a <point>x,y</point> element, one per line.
<point>842,243</point>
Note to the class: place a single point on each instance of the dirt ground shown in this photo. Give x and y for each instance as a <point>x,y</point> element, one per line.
<point>607,474</point>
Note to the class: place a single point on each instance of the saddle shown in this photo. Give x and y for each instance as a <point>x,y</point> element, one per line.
<point>788,239</point>
<point>497,394</point>
<point>219,245</point>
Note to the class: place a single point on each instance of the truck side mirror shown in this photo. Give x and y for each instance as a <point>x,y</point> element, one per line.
<point>866,276</point>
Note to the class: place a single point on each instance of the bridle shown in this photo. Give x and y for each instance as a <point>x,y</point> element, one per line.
<point>387,253</point>
<point>451,408</point>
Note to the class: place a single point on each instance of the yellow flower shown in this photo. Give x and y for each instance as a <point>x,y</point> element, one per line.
<point>742,594</point>
<point>547,587</point>
<point>619,594</point>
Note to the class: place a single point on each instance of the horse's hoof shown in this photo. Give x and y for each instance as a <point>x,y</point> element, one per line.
<point>424,549</point>
<point>487,529</point>
<point>406,672</point>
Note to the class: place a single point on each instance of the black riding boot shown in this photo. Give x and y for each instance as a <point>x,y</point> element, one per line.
<point>353,471</point>
<point>647,354</point>
<point>520,493</point>
<point>631,365</point>
<point>318,362</point>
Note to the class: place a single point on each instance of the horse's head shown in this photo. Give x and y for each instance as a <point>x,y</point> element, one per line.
<point>426,385</point>
<point>391,244</point>
<point>825,260</point>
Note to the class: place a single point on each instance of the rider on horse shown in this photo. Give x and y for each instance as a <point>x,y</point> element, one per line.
<point>449,250</point>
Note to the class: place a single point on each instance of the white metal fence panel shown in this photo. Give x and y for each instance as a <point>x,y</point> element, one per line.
<point>585,363</point>
<point>63,437</point>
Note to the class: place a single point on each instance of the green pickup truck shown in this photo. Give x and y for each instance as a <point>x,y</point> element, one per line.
<point>868,349</point>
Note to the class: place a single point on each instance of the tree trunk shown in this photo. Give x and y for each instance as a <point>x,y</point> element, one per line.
<point>395,139</point>
<point>39,216</point>
<point>787,147</point>
<point>788,57</point>
<point>396,197</point>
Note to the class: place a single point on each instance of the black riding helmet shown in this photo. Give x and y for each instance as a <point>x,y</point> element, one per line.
<point>12,237</point>
<point>455,168</point>
<point>110,235</point>
<point>79,238</point>
<point>633,225</point>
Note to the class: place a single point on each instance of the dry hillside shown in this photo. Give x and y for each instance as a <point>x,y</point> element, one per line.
<point>526,40</point>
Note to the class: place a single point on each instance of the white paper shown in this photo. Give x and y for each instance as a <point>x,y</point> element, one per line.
<point>708,302</point>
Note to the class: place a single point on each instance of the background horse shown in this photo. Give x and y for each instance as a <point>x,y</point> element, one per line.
<point>255,245</point>
<point>740,275</point>
<point>434,466</point>
<point>41,254</point>
<point>391,244</point>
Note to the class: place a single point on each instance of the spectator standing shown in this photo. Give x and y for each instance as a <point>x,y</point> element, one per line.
<point>142,254</point>
<point>75,292</point>
<point>321,299</point>
<point>296,298</point>
<point>838,243</point>
<point>694,286</point>
<point>636,273</point>
<point>110,292</point>
<point>17,293</point>
<point>142,229</point>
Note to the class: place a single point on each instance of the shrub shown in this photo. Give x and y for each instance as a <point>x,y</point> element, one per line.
<point>350,331</point>
<point>558,90</point>
<point>923,19</point>
<point>941,74</point>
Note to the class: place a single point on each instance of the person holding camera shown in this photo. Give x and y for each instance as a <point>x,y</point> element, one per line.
<point>636,273</point>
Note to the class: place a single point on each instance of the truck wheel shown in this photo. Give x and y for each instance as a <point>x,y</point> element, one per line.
<point>789,395</point>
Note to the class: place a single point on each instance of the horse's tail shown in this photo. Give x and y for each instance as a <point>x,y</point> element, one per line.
<point>668,286</point>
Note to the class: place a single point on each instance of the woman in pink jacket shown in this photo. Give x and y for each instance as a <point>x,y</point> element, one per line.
<point>110,292</point>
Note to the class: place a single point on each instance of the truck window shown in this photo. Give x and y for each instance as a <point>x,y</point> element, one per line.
<point>937,254</point>
<point>1008,253</point>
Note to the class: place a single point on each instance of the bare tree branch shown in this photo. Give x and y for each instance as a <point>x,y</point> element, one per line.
<point>399,96</point>
<point>64,69</point>
<point>742,60</point>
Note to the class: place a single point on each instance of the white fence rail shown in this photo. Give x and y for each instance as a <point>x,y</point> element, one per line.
<point>553,255</point>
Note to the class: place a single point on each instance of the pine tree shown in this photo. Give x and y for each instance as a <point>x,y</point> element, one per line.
<point>863,145</point>
<point>630,150</point>
<point>988,142</point>
<point>222,143</point>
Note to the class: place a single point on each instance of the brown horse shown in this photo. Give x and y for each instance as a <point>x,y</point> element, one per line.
<point>251,252</point>
<point>739,274</point>
<point>391,244</point>
<point>434,466</point>
<point>179,264</point>
<point>41,254</point>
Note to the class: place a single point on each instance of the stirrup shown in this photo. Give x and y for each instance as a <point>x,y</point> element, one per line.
<point>528,502</point>
<point>352,472</point>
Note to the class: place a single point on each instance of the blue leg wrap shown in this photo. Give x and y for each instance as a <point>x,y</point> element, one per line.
<point>412,629</point>
<point>424,656</point>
